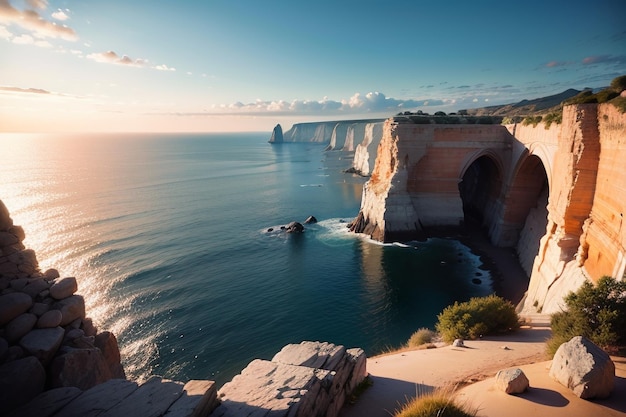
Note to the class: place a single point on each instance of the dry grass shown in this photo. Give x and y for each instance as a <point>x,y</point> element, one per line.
<point>438,403</point>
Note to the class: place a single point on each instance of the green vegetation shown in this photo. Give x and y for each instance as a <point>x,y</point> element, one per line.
<point>556,117</point>
<point>477,317</point>
<point>439,403</point>
<point>619,84</point>
<point>532,120</point>
<point>421,337</point>
<point>597,312</point>
<point>610,94</point>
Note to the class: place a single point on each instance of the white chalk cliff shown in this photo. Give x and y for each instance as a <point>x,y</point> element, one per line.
<point>359,136</point>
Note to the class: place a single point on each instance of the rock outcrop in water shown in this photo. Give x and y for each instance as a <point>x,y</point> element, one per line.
<point>46,340</point>
<point>277,134</point>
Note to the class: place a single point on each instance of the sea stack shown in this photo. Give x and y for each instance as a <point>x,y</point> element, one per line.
<point>277,134</point>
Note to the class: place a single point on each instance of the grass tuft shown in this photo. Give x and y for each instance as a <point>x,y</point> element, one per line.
<point>438,403</point>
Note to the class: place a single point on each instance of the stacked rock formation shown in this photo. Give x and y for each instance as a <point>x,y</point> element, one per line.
<point>306,379</point>
<point>46,341</point>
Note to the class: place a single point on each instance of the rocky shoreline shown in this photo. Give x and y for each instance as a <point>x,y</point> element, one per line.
<point>46,339</point>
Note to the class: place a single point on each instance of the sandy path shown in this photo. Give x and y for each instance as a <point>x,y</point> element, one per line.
<point>400,376</point>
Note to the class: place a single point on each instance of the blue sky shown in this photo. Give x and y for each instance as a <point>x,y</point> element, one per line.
<point>95,65</point>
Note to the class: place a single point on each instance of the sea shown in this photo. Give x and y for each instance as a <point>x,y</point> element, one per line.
<point>176,243</point>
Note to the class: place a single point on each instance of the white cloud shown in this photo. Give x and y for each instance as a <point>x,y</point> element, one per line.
<point>4,33</point>
<point>29,40</point>
<point>374,103</point>
<point>60,15</point>
<point>164,68</point>
<point>110,57</point>
<point>31,20</point>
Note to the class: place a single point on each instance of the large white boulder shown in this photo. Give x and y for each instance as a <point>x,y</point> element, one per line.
<point>584,368</point>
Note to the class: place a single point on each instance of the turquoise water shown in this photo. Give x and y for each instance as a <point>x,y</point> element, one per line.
<point>168,238</point>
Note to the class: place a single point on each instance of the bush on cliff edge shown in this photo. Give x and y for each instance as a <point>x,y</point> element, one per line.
<point>597,312</point>
<point>477,317</point>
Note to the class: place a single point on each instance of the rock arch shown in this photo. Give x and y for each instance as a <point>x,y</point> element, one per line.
<point>480,188</point>
<point>525,209</point>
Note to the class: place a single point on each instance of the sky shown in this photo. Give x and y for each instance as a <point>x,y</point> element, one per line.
<point>212,65</point>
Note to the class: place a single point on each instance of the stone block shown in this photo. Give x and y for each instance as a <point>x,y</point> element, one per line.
<point>71,308</point>
<point>321,355</point>
<point>584,368</point>
<point>20,381</point>
<point>98,399</point>
<point>69,369</point>
<point>107,343</point>
<point>359,370</point>
<point>271,388</point>
<point>199,398</point>
<point>63,288</point>
<point>151,399</point>
<point>512,381</point>
<point>5,219</point>
<point>43,343</point>
<point>47,403</point>
<point>35,286</point>
<point>12,305</point>
<point>51,318</point>
<point>19,326</point>
<point>7,239</point>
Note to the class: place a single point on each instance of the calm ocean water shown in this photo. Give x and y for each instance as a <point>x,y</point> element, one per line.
<point>167,236</point>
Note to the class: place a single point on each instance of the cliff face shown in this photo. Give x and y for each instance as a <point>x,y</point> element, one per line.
<point>358,136</point>
<point>555,194</point>
<point>585,237</point>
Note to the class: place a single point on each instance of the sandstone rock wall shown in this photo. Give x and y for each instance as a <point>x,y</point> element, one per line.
<point>414,186</point>
<point>557,194</point>
<point>584,236</point>
<point>46,341</point>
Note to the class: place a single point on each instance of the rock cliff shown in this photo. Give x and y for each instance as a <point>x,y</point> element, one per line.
<point>556,194</point>
<point>358,136</point>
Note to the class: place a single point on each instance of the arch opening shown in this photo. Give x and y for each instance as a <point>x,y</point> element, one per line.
<point>526,209</point>
<point>479,190</point>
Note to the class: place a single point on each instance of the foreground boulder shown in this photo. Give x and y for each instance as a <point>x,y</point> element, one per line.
<point>512,381</point>
<point>584,368</point>
<point>306,379</point>
<point>20,381</point>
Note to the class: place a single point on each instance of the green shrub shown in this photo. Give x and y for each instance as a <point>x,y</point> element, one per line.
<point>619,84</point>
<point>476,317</point>
<point>421,337</point>
<point>531,120</point>
<point>556,117</point>
<point>597,312</point>
<point>583,97</point>
<point>439,403</point>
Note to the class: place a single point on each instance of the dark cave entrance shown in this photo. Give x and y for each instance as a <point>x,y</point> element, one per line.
<point>479,190</point>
